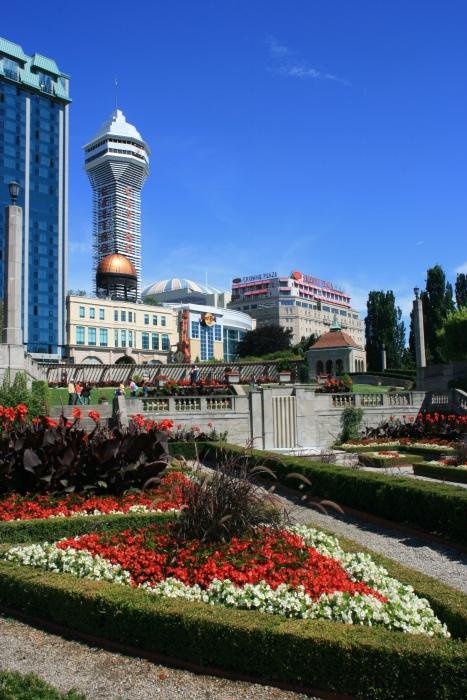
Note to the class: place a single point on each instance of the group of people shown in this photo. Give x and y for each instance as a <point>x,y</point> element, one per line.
<point>79,393</point>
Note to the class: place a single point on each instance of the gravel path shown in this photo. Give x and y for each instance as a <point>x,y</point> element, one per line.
<point>103,675</point>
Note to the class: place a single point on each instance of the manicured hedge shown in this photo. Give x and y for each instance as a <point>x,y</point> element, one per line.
<point>409,449</point>
<point>436,508</point>
<point>447,473</point>
<point>188,450</point>
<point>365,662</point>
<point>52,529</point>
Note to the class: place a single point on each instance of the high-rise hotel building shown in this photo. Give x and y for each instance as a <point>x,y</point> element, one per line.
<point>297,302</point>
<point>34,103</point>
<point>117,164</point>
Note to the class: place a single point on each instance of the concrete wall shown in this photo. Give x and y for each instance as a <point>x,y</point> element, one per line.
<point>436,377</point>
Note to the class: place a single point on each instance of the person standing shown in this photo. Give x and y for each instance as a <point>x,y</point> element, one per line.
<point>78,390</point>
<point>71,393</point>
<point>86,394</point>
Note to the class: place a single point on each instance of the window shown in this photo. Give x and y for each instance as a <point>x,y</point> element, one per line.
<point>101,314</point>
<point>81,311</point>
<point>79,335</point>
<point>103,336</point>
<point>92,312</point>
<point>91,336</point>
<point>123,339</point>
<point>165,342</point>
<point>163,321</point>
<point>116,338</point>
<point>146,319</point>
<point>115,315</point>
<point>155,341</point>
<point>123,315</point>
<point>145,340</point>
<point>207,343</point>
<point>130,316</point>
<point>154,320</point>
<point>217,332</point>
<point>195,329</point>
<point>130,339</point>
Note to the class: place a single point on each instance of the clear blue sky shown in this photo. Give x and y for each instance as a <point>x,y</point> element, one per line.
<point>327,136</point>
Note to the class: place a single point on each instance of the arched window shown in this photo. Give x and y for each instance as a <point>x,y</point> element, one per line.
<point>319,367</point>
<point>125,360</point>
<point>329,367</point>
<point>91,360</point>
<point>339,366</point>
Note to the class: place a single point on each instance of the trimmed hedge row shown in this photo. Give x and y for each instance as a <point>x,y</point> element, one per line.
<point>447,473</point>
<point>52,529</point>
<point>436,508</point>
<point>365,662</point>
<point>417,451</point>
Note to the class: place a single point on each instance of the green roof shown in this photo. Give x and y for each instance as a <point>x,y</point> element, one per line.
<point>29,72</point>
<point>43,63</point>
<point>11,49</point>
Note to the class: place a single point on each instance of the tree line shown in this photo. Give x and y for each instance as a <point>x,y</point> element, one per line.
<point>444,319</point>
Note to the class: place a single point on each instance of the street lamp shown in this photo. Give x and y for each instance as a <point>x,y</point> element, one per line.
<point>416,291</point>
<point>13,188</point>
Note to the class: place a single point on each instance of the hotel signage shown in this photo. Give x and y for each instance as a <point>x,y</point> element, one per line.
<point>254,278</point>
<point>315,281</point>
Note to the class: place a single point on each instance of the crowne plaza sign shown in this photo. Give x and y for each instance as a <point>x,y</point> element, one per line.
<point>254,278</point>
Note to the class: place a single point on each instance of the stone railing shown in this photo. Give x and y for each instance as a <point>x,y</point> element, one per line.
<point>449,400</point>
<point>377,400</point>
<point>183,404</point>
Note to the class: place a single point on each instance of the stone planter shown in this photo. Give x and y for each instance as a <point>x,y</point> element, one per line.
<point>285,376</point>
<point>232,377</point>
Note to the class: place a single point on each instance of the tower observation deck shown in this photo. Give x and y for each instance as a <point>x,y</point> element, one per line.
<point>117,164</point>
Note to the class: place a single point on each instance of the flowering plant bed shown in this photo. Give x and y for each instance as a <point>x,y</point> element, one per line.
<point>363,661</point>
<point>166,497</point>
<point>384,458</point>
<point>296,573</point>
<point>442,470</point>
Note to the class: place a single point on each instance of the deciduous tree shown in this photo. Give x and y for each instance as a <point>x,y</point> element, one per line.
<point>437,304</point>
<point>384,326</point>
<point>263,340</point>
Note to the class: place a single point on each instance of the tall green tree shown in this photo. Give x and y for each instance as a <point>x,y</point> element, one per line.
<point>461,290</point>
<point>438,302</point>
<point>453,336</point>
<point>384,326</point>
<point>263,340</point>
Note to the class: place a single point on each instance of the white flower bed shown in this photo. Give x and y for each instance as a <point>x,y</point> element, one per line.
<point>404,610</point>
<point>131,509</point>
<point>441,464</point>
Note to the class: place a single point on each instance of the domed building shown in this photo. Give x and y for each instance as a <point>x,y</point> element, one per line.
<point>180,290</point>
<point>116,278</point>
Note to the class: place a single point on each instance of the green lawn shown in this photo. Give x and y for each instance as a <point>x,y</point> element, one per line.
<point>16,686</point>
<point>371,389</point>
<point>59,396</point>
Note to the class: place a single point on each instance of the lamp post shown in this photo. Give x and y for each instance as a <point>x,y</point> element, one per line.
<point>420,356</point>
<point>12,271</point>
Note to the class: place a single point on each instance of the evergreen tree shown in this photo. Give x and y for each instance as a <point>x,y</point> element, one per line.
<point>437,304</point>
<point>384,326</point>
<point>263,340</point>
<point>461,290</point>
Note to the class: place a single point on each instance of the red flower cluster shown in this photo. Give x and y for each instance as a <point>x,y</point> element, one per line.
<point>163,426</point>
<point>153,554</point>
<point>168,495</point>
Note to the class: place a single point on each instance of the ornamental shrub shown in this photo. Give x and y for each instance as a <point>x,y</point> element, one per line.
<point>58,456</point>
<point>351,420</point>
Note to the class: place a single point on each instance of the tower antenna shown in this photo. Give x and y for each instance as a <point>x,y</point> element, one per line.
<point>116,92</point>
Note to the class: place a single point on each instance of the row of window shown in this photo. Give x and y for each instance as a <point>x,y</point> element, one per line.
<point>197,329</point>
<point>123,338</point>
<point>123,315</point>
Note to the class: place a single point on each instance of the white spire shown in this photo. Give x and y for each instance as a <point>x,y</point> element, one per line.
<point>117,125</point>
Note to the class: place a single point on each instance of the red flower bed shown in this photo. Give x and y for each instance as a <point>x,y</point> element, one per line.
<point>166,496</point>
<point>153,554</point>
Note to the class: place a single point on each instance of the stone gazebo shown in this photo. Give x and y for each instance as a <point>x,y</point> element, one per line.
<point>335,352</point>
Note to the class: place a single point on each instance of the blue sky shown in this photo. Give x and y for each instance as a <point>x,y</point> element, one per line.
<point>321,135</point>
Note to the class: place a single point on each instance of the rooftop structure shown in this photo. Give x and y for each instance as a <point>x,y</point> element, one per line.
<point>178,290</point>
<point>117,163</point>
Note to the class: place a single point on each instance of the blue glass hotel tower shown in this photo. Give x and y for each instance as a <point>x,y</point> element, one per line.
<point>34,107</point>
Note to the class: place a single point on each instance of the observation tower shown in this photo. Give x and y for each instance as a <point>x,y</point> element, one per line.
<point>117,164</point>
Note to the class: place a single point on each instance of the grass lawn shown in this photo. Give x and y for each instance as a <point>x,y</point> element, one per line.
<point>371,389</point>
<point>58,396</point>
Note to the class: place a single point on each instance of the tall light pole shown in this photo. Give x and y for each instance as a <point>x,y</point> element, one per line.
<point>420,357</point>
<point>13,262</point>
